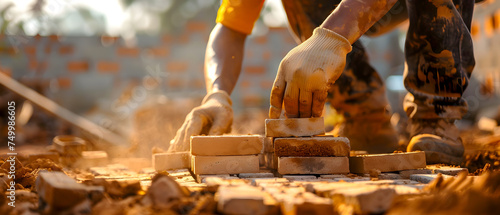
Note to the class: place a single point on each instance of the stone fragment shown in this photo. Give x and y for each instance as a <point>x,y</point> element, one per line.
<point>306,203</point>
<point>364,199</point>
<point>405,174</point>
<point>313,165</point>
<point>163,190</point>
<point>227,145</point>
<point>387,162</point>
<point>312,147</point>
<point>117,188</point>
<point>390,176</point>
<point>256,175</point>
<point>225,164</point>
<point>244,200</point>
<point>295,127</point>
<point>60,191</point>
<point>69,145</point>
<point>53,156</point>
<point>171,160</point>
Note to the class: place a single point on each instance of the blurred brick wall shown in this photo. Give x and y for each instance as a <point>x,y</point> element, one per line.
<point>78,71</point>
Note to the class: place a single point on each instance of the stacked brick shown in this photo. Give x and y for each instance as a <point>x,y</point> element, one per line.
<point>72,151</point>
<point>300,147</point>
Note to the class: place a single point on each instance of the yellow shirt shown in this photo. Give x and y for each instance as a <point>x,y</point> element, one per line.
<point>239,15</point>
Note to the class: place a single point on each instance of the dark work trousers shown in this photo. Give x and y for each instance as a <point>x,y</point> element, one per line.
<point>438,50</point>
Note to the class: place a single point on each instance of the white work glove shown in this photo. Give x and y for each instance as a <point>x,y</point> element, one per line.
<point>214,117</point>
<point>306,73</point>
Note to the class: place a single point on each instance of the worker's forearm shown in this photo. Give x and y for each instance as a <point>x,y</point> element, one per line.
<point>352,18</point>
<point>223,59</point>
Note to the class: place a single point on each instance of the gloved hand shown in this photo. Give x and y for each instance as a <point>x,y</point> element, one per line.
<point>306,73</point>
<point>214,117</point>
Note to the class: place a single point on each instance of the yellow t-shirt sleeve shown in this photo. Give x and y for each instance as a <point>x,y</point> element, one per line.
<point>239,15</point>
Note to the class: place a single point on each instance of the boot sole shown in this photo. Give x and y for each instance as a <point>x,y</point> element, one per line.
<point>433,157</point>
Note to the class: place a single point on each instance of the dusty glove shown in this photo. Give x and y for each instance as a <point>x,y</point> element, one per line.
<point>214,116</point>
<point>306,73</point>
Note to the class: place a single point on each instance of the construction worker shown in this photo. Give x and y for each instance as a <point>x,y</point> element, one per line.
<point>331,64</point>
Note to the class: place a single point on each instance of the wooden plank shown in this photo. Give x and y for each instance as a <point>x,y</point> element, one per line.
<point>102,135</point>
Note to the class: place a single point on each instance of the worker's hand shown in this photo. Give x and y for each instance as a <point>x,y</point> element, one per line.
<point>214,117</point>
<point>306,73</point>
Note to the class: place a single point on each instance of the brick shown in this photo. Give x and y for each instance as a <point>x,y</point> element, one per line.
<point>447,170</point>
<point>268,145</point>
<point>257,70</point>
<point>271,161</point>
<point>356,179</point>
<point>387,162</point>
<point>93,158</point>
<point>66,50</point>
<point>244,200</point>
<point>108,40</point>
<point>295,127</point>
<point>225,164</point>
<point>256,175</point>
<point>196,26</point>
<point>405,174</point>
<point>331,176</point>
<point>69,145</point>
<point>168,161</point>
<point>299,177</point>
<point>60,191</point>
<point>77,66</point>
<point>306,203</point>
<point>365,199</point>
<point>177,66</point>
<point>227,145</point>
<point>313,165</point>
<point>312,147</point>
<point>426,178</point>
<point>260,181</point>
<point>53,156</point>
<point>213,183</point>
<point>64,83</point>
<point>158,52</point>
<point>127,52</point>
<point>202,178</point>
<point>108,67</point>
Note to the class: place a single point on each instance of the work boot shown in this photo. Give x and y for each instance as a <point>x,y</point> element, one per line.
<point>438,138</point>
<point>372,133</point>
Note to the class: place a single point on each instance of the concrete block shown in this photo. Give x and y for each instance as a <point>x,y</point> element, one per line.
<point>225,164</point>
<point>306,203</point>
<point>426,178</point>
<point>313,165</point>
<point>60,191</point>
<point>227,145</point>
<point>169,161</point>
<point>387,162</point>
<point>69,145</point>
<point>365,199</point>
<point>53,156</point>
<point>244,200</point>
<point>405,174</point>
<point>256,175</point>
<point>331,176</point>
<point>93,159</point>
<point>312,147</point>
<point>295,127</point>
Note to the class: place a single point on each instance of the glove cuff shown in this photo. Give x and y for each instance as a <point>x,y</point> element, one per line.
<point>331,39</point>
<point>221,96</point>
